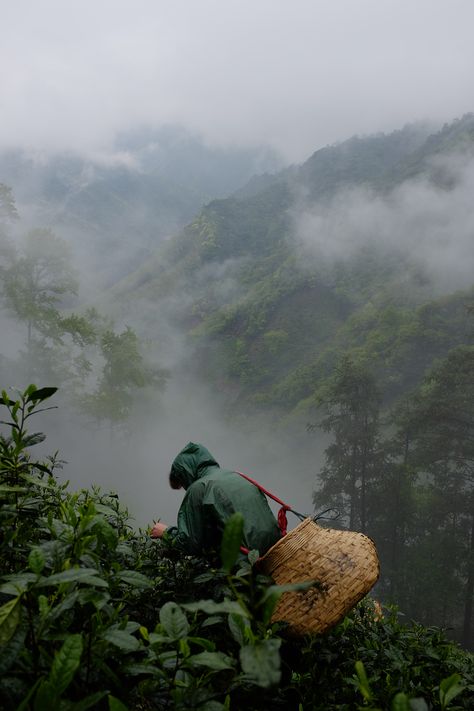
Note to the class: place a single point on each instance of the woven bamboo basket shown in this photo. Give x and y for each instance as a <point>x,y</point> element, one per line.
<point>344,563</point>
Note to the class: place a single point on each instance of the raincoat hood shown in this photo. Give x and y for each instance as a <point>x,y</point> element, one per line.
<point>212,496</point>
<point>191,463</point>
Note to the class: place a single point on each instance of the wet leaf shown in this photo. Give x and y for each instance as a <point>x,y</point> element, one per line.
<point>40,394</point>
<point>216,661</point>
<point>137,580</point>
<point>261,662</point>
<point>10,615</point>
<point>231,541</point>
<point>174,621</point>
<point>66,663</point>
<point>36,560</point>
<point>123,640</point>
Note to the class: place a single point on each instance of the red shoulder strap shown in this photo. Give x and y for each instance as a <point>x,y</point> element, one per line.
<point>281,518</point>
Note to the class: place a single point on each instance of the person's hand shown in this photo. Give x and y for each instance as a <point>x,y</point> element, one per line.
<point>158,530</point>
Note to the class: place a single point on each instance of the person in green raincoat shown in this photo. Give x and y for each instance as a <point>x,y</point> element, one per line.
<point>212,496</point>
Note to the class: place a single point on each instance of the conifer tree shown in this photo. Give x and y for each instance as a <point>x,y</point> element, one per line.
<point>443,427</point>
<point>350,401</point>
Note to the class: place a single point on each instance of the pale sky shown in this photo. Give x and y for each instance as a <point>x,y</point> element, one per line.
<point>295,74</point>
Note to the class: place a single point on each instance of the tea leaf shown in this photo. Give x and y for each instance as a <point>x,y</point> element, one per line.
<point>210,607</point>
<point>231,541</point>
<point>174,621</point>
<point>115,704</point>
<point>237,628</point>
<point>10,614</point>
<point>36,560</point>
<point>449,688</point>
<point>90,702</point>
<point>363,684</point>
<point>65,663</point>
<point>261,662</point>
<point>123,640</point>
<point>74,575</point>
<point>212,660</point>
<point>400,703</point>
<point>137,580</point>
<point>39,395</point>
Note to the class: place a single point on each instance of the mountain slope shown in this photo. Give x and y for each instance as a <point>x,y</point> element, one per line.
<point>117,209</point>
<point>271,304</point>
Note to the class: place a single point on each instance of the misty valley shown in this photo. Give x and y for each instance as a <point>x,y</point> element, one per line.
<point>312,324</point>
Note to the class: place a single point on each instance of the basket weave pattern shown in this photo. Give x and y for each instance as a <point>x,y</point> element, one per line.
<point>344,563</point>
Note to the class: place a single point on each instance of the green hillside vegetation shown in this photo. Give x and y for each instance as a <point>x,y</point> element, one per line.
<point>100,367</point>
<point>94,614</point>
<point>274,327</point>
<point>279,335</point>
<point>359,343</point>
<point>149,188</point>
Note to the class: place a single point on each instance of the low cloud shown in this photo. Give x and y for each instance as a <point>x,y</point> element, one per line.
<point>430,224</point>
<point>295,75</point>
<point>136,465</point>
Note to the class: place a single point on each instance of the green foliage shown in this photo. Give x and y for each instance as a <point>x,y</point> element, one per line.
<point>377,662</point>
<point>95,615</point>
<point>350,404</point>
<point>37,288</point>
<point>123,373</point>
<point>37,284</point>
<point>37,279</point>
<point>275,340</point>
<point>8,211</point>
<point>441,423</point>
<point>407,482</point>
<point>270,317</point>
<point>84,610</point>
<point>291,313</point>
<point>231,541</point>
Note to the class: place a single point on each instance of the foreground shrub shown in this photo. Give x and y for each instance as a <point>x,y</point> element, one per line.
<point>96,615</point>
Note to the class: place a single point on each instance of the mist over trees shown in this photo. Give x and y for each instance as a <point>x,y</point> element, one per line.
<point>327,294</point>
<point>99,368</point>
<point>96,615</point>
<point>408,484</point>
<point>117,209</point>
<point>332,299</point>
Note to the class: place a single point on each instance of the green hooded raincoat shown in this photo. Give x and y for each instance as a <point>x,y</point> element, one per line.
<point>212,496</point>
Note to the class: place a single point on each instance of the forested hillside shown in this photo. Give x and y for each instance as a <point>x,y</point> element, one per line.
<point>338,295</point>
<point>237,356</point>
<point>96,615</point>
<point>278,290</point>
<point>334,297</point>
<point>118,207</point>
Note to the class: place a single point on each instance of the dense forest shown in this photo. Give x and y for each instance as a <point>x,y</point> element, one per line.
<point>97,615</point>
<point>366,335</point>
<point>334,297</point>
<point>116,212</point>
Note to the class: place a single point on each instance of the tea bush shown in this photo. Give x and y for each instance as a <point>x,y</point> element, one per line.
<point>94,614</point>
